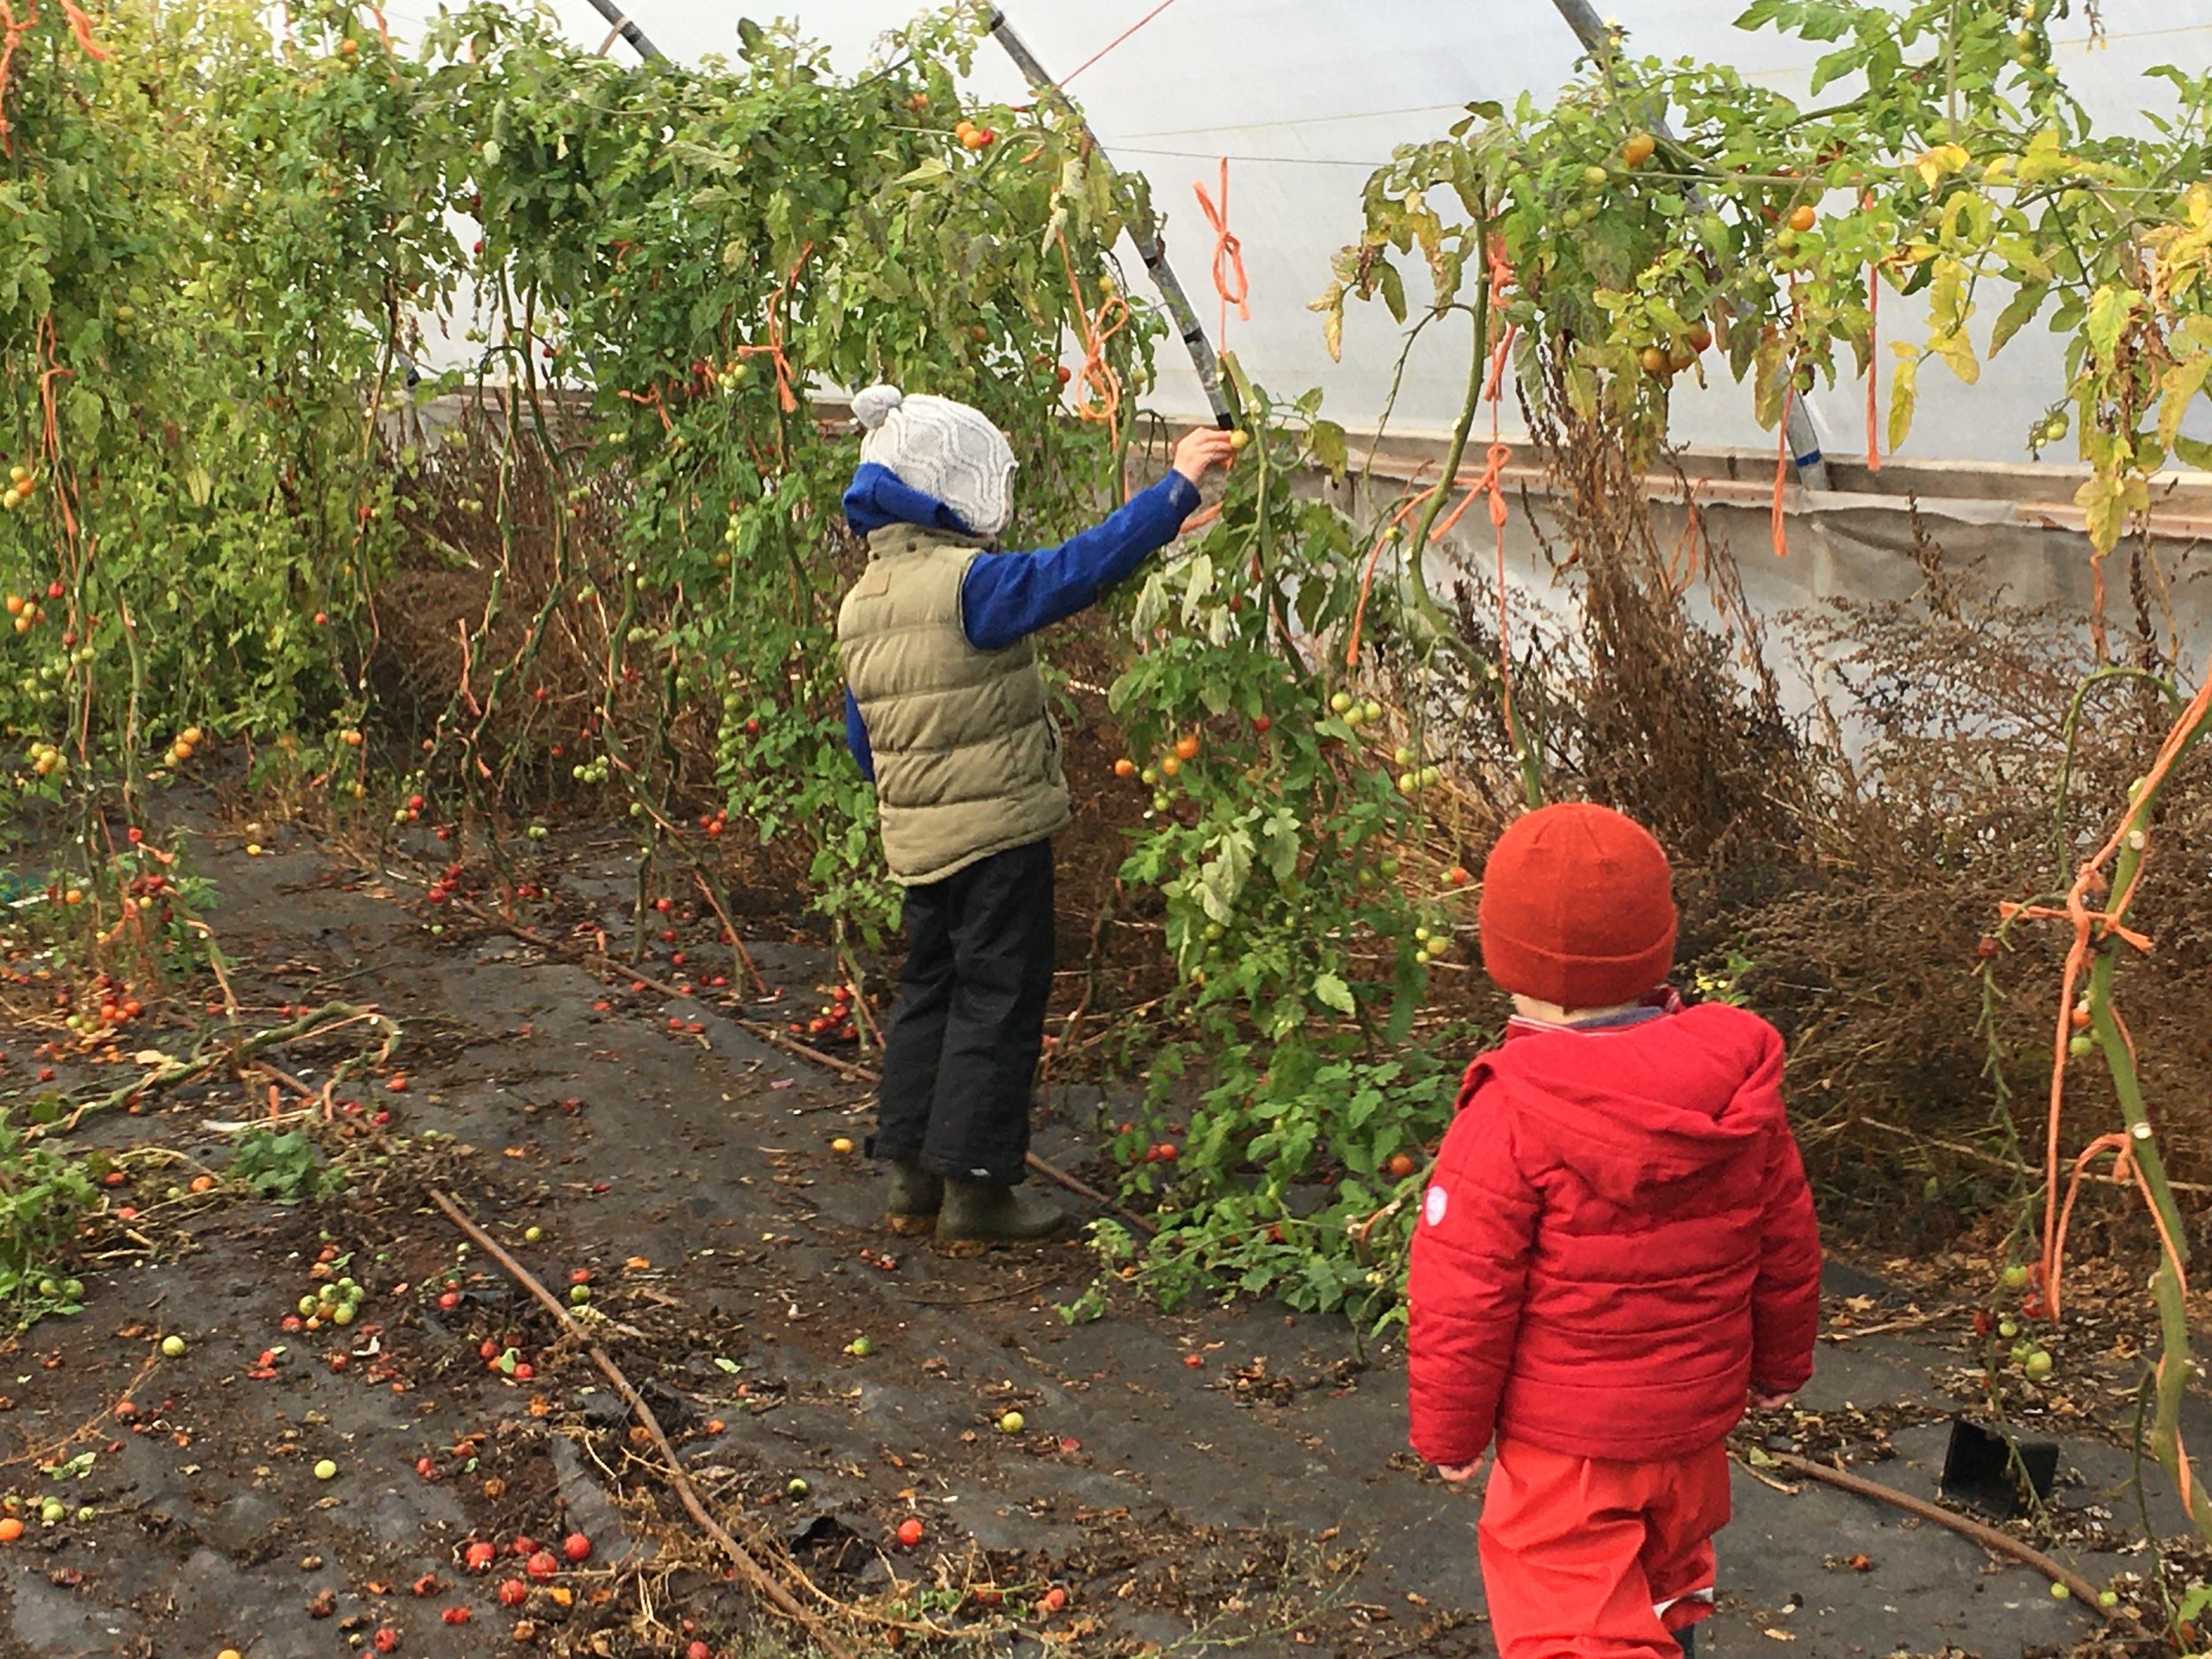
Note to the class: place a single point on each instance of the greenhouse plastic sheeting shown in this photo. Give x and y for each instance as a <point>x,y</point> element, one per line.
<point>1306,97</point>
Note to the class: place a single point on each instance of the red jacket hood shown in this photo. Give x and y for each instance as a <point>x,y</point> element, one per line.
<point>1643,1107</point>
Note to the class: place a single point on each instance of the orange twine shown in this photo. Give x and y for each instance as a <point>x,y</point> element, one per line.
<point>1116,41</point>
<point>80,26</point>
<point>1100,396</point>
<point>12,33</point>
<point>1873,369</point>
<point>1777,523</point>
<point>2084,919</point>
<point>1230,282</point>
<point>1367,581</point>
<point>2091,877</point>
<point>773,349</point>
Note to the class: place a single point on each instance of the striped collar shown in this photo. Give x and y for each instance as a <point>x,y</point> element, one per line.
<point>1664,1001</point>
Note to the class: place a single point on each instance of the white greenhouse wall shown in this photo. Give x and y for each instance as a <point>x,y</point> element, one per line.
<point>1307,96</point>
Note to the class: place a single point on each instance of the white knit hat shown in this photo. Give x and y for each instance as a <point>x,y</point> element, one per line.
<point>941,449</point>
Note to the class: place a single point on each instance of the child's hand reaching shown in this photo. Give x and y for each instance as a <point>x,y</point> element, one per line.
<point>1202,450</point>
<point>1458,1474</point>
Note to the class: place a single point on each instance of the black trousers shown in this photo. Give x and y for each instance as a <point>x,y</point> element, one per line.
<point>960,1059</point>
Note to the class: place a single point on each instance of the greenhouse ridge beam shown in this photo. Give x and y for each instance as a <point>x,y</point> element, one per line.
<point>1812,469</point>
<point>1146,234</point>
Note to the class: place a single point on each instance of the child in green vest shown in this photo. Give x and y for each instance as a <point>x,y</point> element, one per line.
<point>946,716</point>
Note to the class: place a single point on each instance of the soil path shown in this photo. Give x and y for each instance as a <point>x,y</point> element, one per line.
<point>1217,1478</point>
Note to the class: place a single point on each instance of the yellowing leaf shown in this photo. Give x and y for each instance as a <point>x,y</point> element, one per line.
<point>2178,389</point>
<point>2045,158</point>
<point>1903,393</point>
<point>1331,305</point>
<point>1934,165</point>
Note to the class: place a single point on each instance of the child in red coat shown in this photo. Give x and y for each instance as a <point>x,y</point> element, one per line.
<point>1617,1254</point>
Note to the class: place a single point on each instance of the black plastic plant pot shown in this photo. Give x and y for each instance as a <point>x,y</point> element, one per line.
<point>1979,1469</point>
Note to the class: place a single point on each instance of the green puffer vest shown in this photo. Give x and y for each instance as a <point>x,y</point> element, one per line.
<point>967,755</point>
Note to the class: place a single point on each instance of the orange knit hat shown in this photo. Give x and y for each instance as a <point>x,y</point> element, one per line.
<point>1578,908</point>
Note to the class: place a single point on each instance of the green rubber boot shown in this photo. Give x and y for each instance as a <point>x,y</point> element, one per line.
<point>977,1215</point>
<point>910,1208</point>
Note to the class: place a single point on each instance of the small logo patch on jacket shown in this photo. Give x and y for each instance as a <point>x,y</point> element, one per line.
<point>1435,1206</point>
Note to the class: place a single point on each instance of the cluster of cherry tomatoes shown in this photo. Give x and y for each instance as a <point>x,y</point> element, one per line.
<point>835,1019</point>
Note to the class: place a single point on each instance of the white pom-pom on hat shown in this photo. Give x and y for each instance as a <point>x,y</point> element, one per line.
<point>876,404</point>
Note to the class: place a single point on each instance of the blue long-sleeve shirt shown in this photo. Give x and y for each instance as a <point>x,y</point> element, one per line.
<point>1007,596</point>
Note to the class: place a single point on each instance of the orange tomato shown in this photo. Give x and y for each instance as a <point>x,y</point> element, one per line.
<point>1803,219</point>
<point>1186,748</point>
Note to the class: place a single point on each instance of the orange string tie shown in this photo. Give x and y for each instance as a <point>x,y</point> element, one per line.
<point>1116,41</point>
<point>1777,523</point>
<point>12,33</point>
<point>80,26</point>
<point>652,401</point>
<point>2090,878</point>
<point>1492,480</point>
<point>1873,369</point>
<point>1367,582</point>
<point>1230,281</point>
<point>773,349</point>
<point>1099,387</point>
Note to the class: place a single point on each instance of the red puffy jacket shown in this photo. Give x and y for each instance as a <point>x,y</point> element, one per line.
<point>1619,1244</point>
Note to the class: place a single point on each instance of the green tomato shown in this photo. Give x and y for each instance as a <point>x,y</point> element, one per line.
<point>532,1235</point>
<point>2017,1276</point>
<point>1340,703</point>
<point>173,1347</point>
<point>2039,1364</point>
<point>579,1293</point>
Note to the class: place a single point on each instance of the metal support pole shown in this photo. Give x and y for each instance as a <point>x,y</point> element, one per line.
<point>629,31</point>
<point>1145,232</point>
<point>1804,436</point>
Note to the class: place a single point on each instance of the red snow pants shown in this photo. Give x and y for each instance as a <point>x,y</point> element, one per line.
<point>1584,1558</point>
